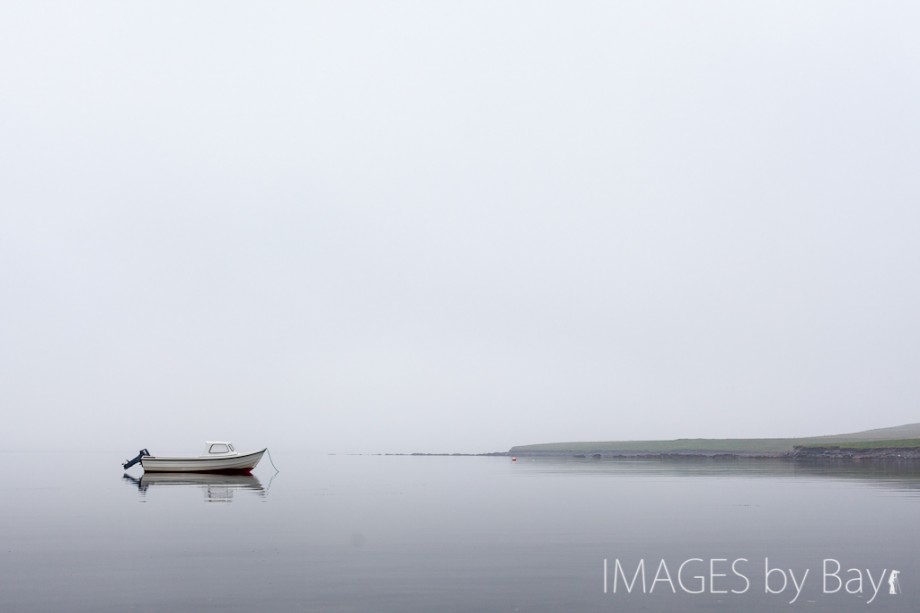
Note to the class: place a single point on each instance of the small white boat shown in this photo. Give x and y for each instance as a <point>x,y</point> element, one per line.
<point>219,457</point>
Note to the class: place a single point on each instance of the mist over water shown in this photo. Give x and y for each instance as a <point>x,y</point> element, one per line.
<point>456,226</point>
<point>398,533</point>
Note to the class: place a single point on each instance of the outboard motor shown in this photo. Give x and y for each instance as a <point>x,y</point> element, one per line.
<point>129,463</point>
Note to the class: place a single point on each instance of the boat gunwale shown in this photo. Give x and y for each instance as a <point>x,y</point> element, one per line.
<point>223,456</point>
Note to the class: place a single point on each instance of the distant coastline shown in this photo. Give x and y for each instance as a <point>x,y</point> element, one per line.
<point>894,443</point>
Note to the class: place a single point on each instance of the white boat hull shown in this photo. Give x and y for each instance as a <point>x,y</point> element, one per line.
<point>230,463</point>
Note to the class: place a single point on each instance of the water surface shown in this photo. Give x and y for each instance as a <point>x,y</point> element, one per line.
<point>402,533</point>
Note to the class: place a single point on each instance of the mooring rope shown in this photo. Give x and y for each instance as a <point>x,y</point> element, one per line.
<point>272,461</point>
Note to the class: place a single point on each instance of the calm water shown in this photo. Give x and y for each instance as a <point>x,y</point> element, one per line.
<point>371,533</point>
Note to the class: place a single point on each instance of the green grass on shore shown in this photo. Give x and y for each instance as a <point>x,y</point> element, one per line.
<point>899,436</point>
<point>902,443</point>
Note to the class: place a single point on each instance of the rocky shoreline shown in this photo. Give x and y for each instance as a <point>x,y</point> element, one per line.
<point>856,453</point>
<point>798,453</point>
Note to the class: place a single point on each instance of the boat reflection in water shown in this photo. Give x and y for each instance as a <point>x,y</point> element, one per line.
<point>216,487</point>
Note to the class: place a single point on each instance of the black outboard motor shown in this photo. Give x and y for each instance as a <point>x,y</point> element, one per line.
<point>129,463</point>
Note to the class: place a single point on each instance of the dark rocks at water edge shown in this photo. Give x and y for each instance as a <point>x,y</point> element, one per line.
<point>798,453</point>
<point>851,453</point>
<point>652,455</point>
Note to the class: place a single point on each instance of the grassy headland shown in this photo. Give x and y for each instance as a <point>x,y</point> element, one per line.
<point>906,436</point>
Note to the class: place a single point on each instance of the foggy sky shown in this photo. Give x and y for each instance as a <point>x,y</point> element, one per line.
<point>456,226</point>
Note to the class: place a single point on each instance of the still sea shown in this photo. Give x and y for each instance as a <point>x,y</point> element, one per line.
<point>459,534</point>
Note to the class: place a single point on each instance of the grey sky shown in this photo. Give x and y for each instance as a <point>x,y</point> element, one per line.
<point>426,226</point>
